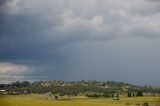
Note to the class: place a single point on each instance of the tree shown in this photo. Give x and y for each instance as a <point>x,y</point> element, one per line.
<point>117,95</point>
<point>112,95</point>
<point>56,97</point>
<point>139,93</point>
<point>129,94</point>
<point>106,94</point>
<point>25,84</point>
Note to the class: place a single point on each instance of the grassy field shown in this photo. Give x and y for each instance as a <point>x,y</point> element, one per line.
<point>44,100</point>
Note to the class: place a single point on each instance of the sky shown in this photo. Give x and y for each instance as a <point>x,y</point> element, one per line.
<point>106,40</point>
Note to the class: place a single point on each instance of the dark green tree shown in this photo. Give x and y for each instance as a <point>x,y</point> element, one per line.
<point>129,94</point>
<point>139,93</point>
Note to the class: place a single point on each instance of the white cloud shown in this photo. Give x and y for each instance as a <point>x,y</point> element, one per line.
<point>97,21</point>
<point>9,68</point>
<point>12,72</point>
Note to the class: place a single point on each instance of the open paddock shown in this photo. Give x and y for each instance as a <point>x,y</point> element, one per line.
<point>43,100</point>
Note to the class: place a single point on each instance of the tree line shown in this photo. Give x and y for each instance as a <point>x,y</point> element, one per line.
<point>88,88</point>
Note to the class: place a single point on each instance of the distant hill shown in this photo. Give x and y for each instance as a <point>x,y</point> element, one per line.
<point>100,88</point>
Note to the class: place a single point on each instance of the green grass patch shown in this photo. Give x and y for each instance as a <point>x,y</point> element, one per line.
<point>40,100</point>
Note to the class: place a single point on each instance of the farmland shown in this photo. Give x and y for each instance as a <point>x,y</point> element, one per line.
<point>81,93</point>
<point>44,100</point>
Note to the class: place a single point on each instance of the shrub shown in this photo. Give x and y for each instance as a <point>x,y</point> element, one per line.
<point>127,103</point>
<point>138,104</point>
<point>93,94</point>
<point>145,104</point>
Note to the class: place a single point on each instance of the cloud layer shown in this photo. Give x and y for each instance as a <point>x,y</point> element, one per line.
<point>60,39</point>
<point>12,72</point>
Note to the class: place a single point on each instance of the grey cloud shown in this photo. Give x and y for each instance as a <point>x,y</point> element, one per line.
<point>155,0</point>
<point>58,37</point>
<point>3,2</point>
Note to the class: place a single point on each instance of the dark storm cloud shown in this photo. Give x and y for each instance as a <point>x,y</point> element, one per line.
<point>61,39</point>
<point>3,2</point>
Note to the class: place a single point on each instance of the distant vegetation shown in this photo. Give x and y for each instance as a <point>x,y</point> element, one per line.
<point>87,88</point>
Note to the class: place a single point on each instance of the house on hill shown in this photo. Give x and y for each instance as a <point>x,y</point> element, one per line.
<point>3,92</point>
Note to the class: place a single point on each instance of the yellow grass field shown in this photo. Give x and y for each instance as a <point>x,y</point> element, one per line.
<point>43,100</point>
